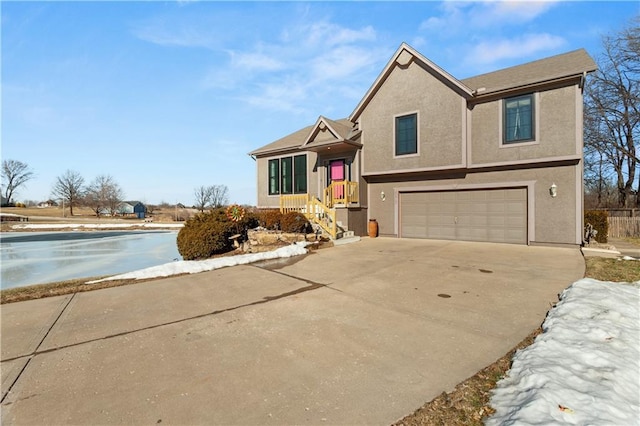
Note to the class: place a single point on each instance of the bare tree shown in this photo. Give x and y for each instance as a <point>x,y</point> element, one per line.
<point>211,196</point>
<point>203,197</point>
<point>104,193</point>
<point>219,195</point>
<point>612,117</point>
<point>14,175</point>
<point>68,186</point>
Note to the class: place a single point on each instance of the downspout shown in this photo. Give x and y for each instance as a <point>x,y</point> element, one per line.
<point>583,80</point>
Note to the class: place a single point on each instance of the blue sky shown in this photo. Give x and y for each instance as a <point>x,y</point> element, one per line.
<point>169,96</point>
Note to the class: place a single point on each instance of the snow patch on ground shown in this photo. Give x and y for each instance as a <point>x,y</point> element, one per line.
<point>195,266</point>
<point>584,368</point>
<point>627,258</point>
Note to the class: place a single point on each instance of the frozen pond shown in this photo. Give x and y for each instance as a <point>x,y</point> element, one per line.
<point>44,257</point>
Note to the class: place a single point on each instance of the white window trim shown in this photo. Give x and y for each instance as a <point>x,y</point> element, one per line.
<point>393,145</point>
<point>536,119</point>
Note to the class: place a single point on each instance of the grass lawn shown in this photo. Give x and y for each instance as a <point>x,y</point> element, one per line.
<point>467,404</point>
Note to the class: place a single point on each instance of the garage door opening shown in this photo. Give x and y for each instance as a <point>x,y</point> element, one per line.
<point>494,215</point>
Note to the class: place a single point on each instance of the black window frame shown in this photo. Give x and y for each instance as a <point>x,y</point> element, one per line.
<point>274,179</point>
<point>300,174</point>
<point>284,176</point>
<point>405,139</point>
<point>509,128</point>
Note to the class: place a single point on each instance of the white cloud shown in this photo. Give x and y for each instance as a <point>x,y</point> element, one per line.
<point>256,61</point>
<point>509,11</point>
<point>492,51</point>
<point>483,33</point>
<point>460,17</point>
<point>327,34</point>
<point>303,67</point>
<point>160,33</point>
<point>297,66</point>
<point>432,23</point>
<point>342,62</point>
<point>286,95</point>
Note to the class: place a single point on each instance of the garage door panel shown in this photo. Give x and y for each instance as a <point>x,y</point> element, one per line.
<point>472,234</point>
<point>498,215</point>
<point>417,231</point>
<point>442,232</point>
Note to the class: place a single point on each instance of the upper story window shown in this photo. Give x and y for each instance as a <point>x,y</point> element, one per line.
<point>518,119</point>
<point>288,175</point>
<point>406,129</point>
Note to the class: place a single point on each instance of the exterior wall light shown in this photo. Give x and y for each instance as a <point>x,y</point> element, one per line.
<point>553,190</point>
<point>382,196</point>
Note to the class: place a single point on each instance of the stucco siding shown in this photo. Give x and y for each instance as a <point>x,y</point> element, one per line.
<point>273,201</point>
<point>551,220</point>
<point>440,112</point>
<point>555,130</point>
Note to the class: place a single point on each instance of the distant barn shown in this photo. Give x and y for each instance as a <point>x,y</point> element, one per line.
<point>132,208</point>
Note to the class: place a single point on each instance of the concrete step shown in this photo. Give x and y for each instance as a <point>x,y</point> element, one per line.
<point>348,240</point>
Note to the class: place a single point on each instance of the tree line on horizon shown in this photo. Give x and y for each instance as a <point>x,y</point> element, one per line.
<point>103,194</point>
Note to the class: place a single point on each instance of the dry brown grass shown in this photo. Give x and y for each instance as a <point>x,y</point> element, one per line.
<point>83,214</point>
<point>633,240</point>
<point>54,212</point>
<point>605,269</point>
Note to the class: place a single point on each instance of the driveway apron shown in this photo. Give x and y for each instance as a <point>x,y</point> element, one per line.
<point>362,333</point>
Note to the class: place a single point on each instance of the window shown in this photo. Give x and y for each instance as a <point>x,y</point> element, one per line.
<point>518,119</point>
<point>300,174</point>
<point>407,134</point>
<point>288,175</point>
<point>286,169</point>
<point>274,177</point>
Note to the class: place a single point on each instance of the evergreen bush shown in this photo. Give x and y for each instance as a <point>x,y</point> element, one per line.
<point>208,233</point>
<point>294,222</point>
<point>599,219</point>
<point>270,219</point>
<point>205,234</point>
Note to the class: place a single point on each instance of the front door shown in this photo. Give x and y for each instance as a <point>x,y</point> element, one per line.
<point>336,174</point>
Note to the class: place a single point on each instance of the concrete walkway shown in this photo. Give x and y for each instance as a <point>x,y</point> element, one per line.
<point>363,333</point>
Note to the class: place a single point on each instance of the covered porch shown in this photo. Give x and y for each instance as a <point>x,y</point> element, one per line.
<point>322,212</point>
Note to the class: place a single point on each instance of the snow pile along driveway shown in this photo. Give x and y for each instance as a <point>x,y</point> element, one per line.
<point>195,266</point>
<point>584,368</point>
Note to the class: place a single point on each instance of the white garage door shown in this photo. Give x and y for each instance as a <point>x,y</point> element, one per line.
<point>496,215</point>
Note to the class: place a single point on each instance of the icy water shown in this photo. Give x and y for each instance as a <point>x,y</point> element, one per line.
<point>44,257</point>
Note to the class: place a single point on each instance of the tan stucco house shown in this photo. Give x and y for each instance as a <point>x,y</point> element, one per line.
<point>496,157</point>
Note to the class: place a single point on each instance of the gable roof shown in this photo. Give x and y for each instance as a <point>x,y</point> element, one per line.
<point>290,141</point>
<point>341,128</point>
<point>403,56</point>
<point>556,67</point>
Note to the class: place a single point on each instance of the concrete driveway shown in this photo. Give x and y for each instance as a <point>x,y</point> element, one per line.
<point>362,333</point>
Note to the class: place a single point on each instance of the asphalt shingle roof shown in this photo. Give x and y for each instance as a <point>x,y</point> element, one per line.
<point>554,67</point>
